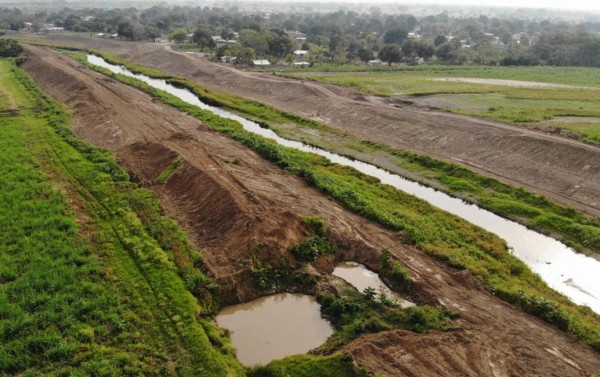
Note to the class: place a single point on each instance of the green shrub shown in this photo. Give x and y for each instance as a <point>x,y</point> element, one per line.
<point>311,248</point>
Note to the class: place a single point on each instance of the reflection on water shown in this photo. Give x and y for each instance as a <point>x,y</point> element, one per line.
<point>361,278</point>
<point>568,272</point>
<point>272,327</point>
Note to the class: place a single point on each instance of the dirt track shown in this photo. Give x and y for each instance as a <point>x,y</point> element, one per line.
<point>226,205</point>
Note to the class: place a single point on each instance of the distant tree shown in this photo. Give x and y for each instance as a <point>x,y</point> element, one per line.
<point>151,32</point>
<point>446,52</point>
<point>252,39</point>
<point>280,44</point>
<point>132,30</point>
<point>440,39</point>
<point>390,54</point>
<point>202,38</point>
<point>396,35</point>
<point>178,35</point>
<point>365,55</point>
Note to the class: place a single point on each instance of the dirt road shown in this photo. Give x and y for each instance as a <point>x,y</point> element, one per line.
<point>227,197</point>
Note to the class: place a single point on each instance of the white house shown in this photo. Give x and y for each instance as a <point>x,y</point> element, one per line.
<point>375,63</point>
<point>302,64</point>
<point>260,63</point>
<point>300,54</point>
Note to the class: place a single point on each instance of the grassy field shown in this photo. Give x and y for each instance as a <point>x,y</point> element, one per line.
<point>516,105</point>
<point>443,236</point>
<point>89,284</point>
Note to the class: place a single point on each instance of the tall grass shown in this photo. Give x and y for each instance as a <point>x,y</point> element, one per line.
<point>112,300</point>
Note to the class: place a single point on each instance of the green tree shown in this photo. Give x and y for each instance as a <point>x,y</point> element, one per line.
<point>396,35</point>
<point>365,55</point>
<point>202,38</point>
<point>439,40</point>
<point>391,54</point>
<point>251,38</point>
<point>178,35</point>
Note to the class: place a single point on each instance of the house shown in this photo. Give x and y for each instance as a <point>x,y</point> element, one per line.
<point>222,42</point>
<point>159,40</point>
<point>300,54</point>
<point>260,63</point>
<point>302,64</point>
<point>374,63</point>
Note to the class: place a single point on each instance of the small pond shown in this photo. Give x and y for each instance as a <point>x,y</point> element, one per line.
<point>361,278</point>
<point>275,326</point>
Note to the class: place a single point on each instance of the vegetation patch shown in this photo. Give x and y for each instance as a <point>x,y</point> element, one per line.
<point>164,176</point>
<point>309,366</point>
<point>355,313</point>
<point>112,300</point>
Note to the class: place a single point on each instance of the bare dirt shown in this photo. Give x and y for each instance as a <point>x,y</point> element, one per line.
<point>225,206</point>
<point>563,169</point>
<point>514,83</point>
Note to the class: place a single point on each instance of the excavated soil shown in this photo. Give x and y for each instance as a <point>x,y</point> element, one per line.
<point>566,170</point>
<point>226,196</point>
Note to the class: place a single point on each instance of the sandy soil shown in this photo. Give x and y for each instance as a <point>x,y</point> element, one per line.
<point>517,83</point>
<point>225,206</point>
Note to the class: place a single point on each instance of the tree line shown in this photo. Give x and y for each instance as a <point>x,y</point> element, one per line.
<point>338,37</point>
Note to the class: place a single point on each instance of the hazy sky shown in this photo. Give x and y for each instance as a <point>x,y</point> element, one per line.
<point>555,4</point>
<point>552,4</point>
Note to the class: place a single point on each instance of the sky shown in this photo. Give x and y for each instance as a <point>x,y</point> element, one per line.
<point>554,4</point>
<point>590,5</point>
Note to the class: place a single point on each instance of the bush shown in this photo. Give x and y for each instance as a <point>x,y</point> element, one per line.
<point>311,248</point>
<point>10,48</point>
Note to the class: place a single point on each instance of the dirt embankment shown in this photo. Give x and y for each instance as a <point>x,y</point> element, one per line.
<point>565,170</point>
<point>227,196</point>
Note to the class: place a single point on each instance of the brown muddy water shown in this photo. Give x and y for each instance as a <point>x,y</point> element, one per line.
<point>275,326</point>
<point>361,278</point>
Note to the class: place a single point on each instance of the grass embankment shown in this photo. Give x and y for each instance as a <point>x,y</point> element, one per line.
<point>441,235</point>
<point>574,109</point>
<point>308,366</point>
<point>94,284</point>
<point>534,211</point>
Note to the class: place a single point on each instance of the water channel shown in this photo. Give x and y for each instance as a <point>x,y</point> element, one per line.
<point>575,275</point>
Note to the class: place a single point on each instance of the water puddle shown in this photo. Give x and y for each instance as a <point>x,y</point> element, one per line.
<point>574,275</point>
<point>361,278</point>
<point>273,327</point>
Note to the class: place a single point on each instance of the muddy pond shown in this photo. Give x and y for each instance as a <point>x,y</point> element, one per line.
<point>574,275</point>
<point>275,326</point>
<point>361,278</point>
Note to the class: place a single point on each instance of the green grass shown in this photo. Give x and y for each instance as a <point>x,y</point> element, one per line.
<point>354,313</point>
<point>91,292</point>
<point>309,366</point>
<point>515,105</point>
<point>443,236</point>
